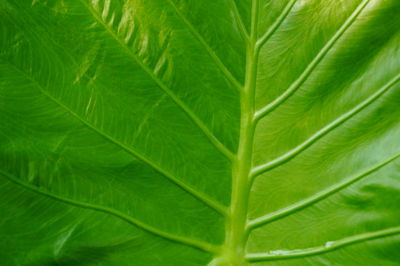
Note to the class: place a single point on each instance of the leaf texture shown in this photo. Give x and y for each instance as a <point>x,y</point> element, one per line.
<point>181,132</point>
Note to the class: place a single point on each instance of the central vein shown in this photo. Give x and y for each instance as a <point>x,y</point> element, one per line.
<point>235,241</point>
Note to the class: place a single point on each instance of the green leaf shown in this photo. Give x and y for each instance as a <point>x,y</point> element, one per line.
<point>184,132</point>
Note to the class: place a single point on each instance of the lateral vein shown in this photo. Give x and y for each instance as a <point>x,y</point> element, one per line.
<point>239,20</point>
<point>171,237</point>
<point>209,50</point>
<point>260,221</point>
<point>199,195</point>
<point>206,131</point>
<point>324,131</point>
<point>312,65</point>
<point>327,247</point>
<point>276,25</point>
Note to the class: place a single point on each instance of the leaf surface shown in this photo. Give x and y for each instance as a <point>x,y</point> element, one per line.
<point>178,132</point>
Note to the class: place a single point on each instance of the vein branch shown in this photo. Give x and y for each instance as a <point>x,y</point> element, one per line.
<point>206,131</point>
<point>313,64</point>
<point>324,131</point>
<point>197,194</point>
<point>327,247</point>
<point>260,221</point>
<point>168,236</point>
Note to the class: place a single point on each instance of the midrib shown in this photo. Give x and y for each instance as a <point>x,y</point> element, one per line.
<point>233,251</point>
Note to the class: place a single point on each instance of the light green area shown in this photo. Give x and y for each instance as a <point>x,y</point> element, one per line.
<point>199,132</point>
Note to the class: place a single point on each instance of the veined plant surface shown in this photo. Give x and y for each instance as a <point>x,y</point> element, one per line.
<point>199,132</point>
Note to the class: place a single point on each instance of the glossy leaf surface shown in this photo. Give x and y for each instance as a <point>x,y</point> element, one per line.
<point>188,132</point>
